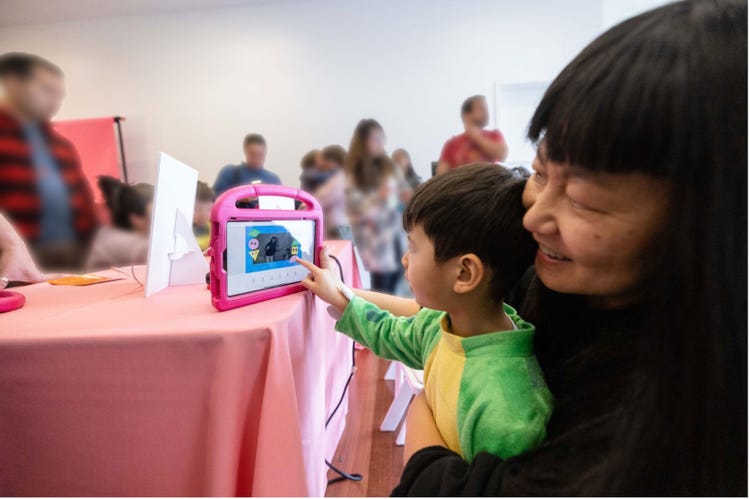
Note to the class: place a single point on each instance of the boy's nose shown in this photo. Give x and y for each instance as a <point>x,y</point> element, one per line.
<point>404,261</point>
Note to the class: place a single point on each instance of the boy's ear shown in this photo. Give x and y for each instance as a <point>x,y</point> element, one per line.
<point>470,273</point>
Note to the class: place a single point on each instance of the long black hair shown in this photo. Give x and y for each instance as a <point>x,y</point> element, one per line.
<point>665,93</point>
<point>124,200</point>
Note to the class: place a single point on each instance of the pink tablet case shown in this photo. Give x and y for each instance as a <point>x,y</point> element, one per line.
<point>225,210</point>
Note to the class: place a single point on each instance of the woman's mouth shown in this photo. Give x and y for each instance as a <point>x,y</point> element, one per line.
<point>548,252</point>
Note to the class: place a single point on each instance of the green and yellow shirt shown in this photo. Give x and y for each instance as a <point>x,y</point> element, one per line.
<point>486,392</point>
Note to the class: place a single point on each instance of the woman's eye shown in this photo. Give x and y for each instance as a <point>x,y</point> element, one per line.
<point>539,177</point>
<point>576,205</point>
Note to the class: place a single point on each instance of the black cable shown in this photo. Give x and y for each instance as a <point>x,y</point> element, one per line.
<point>343,475</point>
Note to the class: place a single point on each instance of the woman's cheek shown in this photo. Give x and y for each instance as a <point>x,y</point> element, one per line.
<point>582,241</point>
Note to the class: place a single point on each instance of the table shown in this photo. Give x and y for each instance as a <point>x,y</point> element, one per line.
<point>104,392</point>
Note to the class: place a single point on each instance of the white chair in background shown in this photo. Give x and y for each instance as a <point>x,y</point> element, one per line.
<point>390,374</point>
<point>407,383</point>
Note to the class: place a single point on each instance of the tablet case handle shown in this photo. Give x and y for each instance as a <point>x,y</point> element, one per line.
<point>254,190</point>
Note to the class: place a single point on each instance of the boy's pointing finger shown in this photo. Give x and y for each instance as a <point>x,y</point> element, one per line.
<point>308,265</point>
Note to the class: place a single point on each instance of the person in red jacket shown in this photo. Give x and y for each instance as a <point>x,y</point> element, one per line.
<point>476,144</point>
<point>43,190</point>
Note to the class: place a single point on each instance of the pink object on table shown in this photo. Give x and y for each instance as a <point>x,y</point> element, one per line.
<point>225,210</point>
<point>104,392</point>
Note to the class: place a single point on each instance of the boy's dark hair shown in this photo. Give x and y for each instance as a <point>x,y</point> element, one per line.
<point>254,138</point>
<point>204,194</point>
<point>124,200</point>
<point>21,65</point>
<point>468,104</point>
<point>476,209</point>
<point>335,153</point>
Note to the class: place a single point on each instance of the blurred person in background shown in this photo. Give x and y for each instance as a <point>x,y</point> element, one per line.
<point>475,144</point>
<point>204,201</point>
<point>251,171</point>
<point>313,173</point>
<point>16,262</point>
<point>125,242</point>
<point>43,190</point>
<point>332,193</point>
<point>372,199</point>
<point>402,160</point>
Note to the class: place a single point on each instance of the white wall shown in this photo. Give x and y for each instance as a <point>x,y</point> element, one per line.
<point>615,11</point>
<point>303,72</point>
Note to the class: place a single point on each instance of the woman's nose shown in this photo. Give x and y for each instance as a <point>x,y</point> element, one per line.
<point>540,216</point>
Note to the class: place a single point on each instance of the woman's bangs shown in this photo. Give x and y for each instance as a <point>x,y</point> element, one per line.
<point>617,107</point>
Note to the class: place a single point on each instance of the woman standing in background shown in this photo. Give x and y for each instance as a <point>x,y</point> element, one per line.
<point>402,159</point>
<point>372,198</point>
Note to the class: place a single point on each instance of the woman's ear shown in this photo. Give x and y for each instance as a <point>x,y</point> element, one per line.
<point>470,273</point>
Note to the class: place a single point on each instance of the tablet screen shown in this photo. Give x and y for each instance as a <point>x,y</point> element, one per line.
<point>259,254</point>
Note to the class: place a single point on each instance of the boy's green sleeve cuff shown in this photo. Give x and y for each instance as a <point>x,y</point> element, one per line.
<point>349,316</point>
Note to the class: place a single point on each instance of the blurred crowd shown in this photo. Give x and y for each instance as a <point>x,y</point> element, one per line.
<point>47,203</point>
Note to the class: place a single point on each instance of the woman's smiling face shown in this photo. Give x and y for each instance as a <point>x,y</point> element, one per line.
<point>596,231</point>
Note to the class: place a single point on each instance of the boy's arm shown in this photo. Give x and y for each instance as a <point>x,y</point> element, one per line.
<point>509,419</point>
<point>324,281</point>
<point>392,337</point>
<point>396,338</point>
<point>421,430</point>
<point>397,305</point>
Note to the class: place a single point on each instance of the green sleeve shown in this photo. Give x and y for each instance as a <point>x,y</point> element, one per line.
<point>509,418</point>
<point>405,339</point>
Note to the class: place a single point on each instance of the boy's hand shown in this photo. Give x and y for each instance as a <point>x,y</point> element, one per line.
<point>324,282</point>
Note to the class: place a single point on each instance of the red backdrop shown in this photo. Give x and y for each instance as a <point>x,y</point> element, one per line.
<point>96,143</point>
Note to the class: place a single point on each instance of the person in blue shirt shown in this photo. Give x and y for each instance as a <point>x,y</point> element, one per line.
<point>251,171</point>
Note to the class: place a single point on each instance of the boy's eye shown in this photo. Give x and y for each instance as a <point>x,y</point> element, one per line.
<point>539,177</point>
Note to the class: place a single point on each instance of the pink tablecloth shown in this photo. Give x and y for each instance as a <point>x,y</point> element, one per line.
<point>104,392</point>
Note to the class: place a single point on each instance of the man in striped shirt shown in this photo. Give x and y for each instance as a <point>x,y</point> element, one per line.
<point>43,190</point>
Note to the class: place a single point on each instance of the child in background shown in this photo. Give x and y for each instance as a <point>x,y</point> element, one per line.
<point>402,159</point>
<point>372,200</point>
<point>332,194</point>
<point>467,249</point>
<point>313,171</point>
<point>125,242</point>
<point>204,201</point>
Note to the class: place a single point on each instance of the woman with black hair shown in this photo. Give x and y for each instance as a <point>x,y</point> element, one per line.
<point>125,241</point>
<point>639,204</point>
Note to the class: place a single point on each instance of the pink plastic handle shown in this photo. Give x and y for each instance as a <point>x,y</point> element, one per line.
<point>255,190</point>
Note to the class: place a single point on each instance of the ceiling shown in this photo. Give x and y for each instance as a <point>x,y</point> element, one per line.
<point>20,12</point>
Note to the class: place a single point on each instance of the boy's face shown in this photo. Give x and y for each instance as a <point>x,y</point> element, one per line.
<point>431,283</point>
<point>202,212</point>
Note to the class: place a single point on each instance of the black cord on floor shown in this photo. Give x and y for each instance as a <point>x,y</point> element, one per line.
<point>343,475</point>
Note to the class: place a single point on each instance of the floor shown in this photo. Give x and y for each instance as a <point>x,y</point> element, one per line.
<point>364,448</point>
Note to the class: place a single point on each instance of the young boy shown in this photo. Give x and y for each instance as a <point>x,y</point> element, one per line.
<point>204,201</point>
<point>467,249</point>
